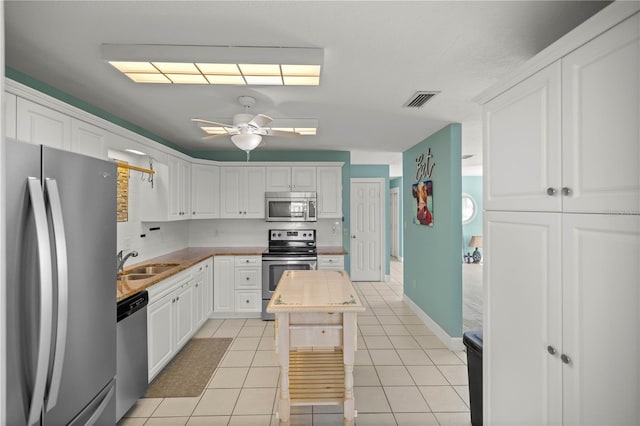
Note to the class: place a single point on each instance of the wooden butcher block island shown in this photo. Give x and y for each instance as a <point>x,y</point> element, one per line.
<point>316,335</point>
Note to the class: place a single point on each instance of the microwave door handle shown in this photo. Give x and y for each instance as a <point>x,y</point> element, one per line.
<point>53,198</point>
<point>46,299</point>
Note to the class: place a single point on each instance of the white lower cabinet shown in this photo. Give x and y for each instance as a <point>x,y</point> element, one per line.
<point>562,329</point>
<point>331,262</point>
<point>178,306</point>
<point>238,284</point>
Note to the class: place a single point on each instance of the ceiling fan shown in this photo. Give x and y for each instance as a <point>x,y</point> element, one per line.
<point>247,129</point>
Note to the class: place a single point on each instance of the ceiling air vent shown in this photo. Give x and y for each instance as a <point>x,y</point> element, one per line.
<point>419,99</point>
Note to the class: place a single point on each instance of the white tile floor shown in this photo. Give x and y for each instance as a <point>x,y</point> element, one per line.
<point>403,375</point>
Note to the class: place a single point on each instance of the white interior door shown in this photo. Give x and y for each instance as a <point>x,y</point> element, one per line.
<point>367,218</point>
<point>394,221</point>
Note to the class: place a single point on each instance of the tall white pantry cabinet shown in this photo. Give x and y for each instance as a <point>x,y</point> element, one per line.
<point>562,237</point>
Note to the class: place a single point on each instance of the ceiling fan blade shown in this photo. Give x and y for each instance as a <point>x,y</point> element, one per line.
<point>259,120</point>
<point>209,137</point>
<point>200,120</point>
<point>271,132</point>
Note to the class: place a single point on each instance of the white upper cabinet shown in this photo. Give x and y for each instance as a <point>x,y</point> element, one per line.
<point>522,146</point>
<point>601,122</point>
<point>242,192</point>
<point>283,179</point>
<point>88,139</point>
<point>41,125</point>
<point>329,181</point>
<point>205,191</point>
<point>179,189</point>
<point>10,114</point>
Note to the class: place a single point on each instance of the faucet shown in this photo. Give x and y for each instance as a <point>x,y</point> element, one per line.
<point>122,259</point>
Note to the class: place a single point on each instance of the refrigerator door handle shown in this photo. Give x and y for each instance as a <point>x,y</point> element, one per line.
<point>55,207</point>
<point>46,299</point>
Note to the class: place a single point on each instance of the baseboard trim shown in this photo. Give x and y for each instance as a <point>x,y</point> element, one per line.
<point>387,278</point>
<point>234,315</point>
<point>453,343</point>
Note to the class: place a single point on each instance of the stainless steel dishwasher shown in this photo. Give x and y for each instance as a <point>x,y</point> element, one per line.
<point>131,360</point>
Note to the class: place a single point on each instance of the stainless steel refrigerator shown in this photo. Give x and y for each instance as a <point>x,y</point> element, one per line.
<point>61,287</point>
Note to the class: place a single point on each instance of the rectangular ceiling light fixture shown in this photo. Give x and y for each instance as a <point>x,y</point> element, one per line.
<point>218,65</point>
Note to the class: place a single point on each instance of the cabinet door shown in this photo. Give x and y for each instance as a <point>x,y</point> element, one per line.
<point>254,193</point>
<point>208,295</point>
<point>248,301</point>
<point>601,319</point>
<point>522,146</point>
<point>41,125</point>
<point>278,179</point>
<point>223,289</point>
<point>601,122</point>
<point>333,263</point>
<point>303,179</point>
<point>88,139</point>
<point>199,290</point>
<point>231,191</point>
<point>522,380</point>
<point>160,332</point>
<point>175,201</point>
<point>185,189</point>
<point>329,186</point>
<point>184,313</point>
<point>10,114</point>
<point>205,191</point>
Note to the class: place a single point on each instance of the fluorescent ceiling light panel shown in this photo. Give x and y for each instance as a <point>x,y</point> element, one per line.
<point>225,79</point>
<point>148,78</point>
<point>264,80</point>
<point>217,64</point>
<point>176,68</point>
<point>187,78</point>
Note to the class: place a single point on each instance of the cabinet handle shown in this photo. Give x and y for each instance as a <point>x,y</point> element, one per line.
<point>240,212</point>
<point>194,213</point>
<point>551,350</point>
<point>353,237</point>
<point>551,191</point>
<point>323,331</point>
<point>566,191</point>
<point>247,278</point>
<point>247,260</point>
<point>247,301</point>
<point>244,212</point>
<point>173,300</point>
<point>565,359</point>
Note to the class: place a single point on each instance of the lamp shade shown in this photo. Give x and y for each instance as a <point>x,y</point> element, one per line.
<point>476,241</point>
<point>247,141</point>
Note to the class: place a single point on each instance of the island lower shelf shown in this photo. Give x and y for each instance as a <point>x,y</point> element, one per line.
<point>316,377</point>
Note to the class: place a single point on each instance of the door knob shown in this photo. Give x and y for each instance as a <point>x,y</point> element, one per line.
<point>353,237</point>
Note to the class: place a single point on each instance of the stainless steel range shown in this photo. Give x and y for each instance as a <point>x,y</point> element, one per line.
<point>288,250</point>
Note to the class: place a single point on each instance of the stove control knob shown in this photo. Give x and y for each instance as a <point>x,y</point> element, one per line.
<point>279,234</point>
<point>304,235</point>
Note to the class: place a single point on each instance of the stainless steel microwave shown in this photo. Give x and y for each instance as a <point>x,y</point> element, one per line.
<point>290,206</point>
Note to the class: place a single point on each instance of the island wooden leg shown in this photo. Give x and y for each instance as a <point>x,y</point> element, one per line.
<point>348,353</point>
<point>284,404</point>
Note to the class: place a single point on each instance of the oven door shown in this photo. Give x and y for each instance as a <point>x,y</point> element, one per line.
<point>274,267</point>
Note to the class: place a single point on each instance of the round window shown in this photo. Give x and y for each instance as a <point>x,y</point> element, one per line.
<point>468,208</point>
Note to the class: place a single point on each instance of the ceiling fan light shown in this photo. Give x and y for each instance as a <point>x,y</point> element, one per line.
<point>225,79</point>
<point>246,142</point>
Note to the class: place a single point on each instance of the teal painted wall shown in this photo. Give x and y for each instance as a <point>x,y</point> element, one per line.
<point>378,171</point>
<point>432,266</point>
<point>397,183</point>
<point>472,185</point>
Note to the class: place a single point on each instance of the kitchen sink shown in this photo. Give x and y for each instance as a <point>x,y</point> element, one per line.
<point>152,269</point>
<point>132,277</point>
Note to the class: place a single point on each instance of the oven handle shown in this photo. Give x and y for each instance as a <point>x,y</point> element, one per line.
<point>289,259</point>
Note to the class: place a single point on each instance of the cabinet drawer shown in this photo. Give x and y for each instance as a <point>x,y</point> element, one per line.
<point>248,279</point>
<point>248,301</point>
<point>306,336</point>
<point>315,318</point>
<point>330,262</point>
<point>255,261</point>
